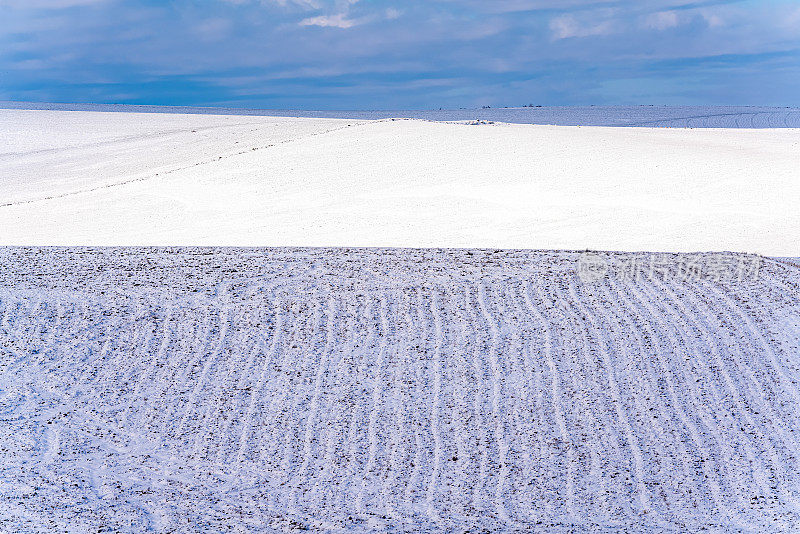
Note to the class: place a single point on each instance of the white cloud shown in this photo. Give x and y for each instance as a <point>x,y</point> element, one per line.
<point>215,29</point>
<point>331,21</point>
<point>713,20</point>
<point>793,20</point>
<point>303,4</point>
<point>567,26</point>
<point>343,20</point>
<point>308,5</point>
<point>663,20</point>
<point>47,4</point>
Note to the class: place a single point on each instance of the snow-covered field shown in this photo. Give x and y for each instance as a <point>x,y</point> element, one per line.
<point>395,389</point>
<point>626,116</point>
<point>402,390</point>
<point>90,178</point>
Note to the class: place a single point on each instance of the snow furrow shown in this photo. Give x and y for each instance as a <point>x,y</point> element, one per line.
<point>558,409</point>
<point>713,377</point>
<point>399,391</point>
<point>620,408</point>
<point>672,346</point>
<point>497,409</point>
<point>754,440</point>
<point>719,461</point>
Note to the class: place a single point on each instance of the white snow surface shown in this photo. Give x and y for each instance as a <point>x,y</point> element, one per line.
<point>92,178</point>
<point>252,390</point>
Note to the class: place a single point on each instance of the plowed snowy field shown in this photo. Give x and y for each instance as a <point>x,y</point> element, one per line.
<point>333,389</point>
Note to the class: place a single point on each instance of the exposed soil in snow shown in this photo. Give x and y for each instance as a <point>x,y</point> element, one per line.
<point>193,389</point>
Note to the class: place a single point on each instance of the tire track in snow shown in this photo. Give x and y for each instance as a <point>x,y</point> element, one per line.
<point>377,394</point>
<point>200,340</point>
<point>497,415</point>
<point>775,423</point>
<point>288,387</point>
<point>308,431</point>
<point>719,367</point>
<point>517,374</point>
<point>735,391</point>
<point>755,334</point>
<point>247,421</point>
<point>412,492</point>
<point>641,303</point>
<point>159,358</point>
<point>430,497</point>
<point>53,439</point>
<point>571,514</point>
<point>583,376</point>
<point>477,408</point>
<point>458,379</point>
<point>393,469</point>
<point>619,408</point>
<point>532,392</point>
<point>212,358</point>
<point>680,343</point>
<point>757,387</point>
<point>645,377</point>
<point>616,389</point>
<point>174,170</point>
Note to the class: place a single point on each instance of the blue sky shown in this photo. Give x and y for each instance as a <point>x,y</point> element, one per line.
<point>387,54</point>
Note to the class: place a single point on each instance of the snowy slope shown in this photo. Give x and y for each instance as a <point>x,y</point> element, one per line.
<point>249,389</point>
<point>83,178</point>
<point>50,154</point>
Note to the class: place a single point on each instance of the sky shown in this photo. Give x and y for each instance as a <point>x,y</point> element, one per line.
<point>388,54</point>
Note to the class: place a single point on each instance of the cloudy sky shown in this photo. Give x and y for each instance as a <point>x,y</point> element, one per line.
<point>392,54</point>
